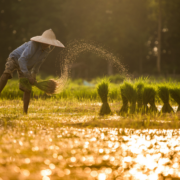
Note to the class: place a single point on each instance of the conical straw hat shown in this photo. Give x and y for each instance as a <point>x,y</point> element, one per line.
<point>48,37</point>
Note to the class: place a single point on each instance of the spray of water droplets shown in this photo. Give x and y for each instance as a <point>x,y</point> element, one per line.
<point>74,49</point>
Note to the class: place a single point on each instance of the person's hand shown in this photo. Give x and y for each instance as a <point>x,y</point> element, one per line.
<point>32,80</point>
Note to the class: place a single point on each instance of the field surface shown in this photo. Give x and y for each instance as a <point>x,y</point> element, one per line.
<point>67,139</point>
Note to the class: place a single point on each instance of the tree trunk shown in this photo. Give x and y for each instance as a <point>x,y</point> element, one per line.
<point>141,60</point>
<point>159,37</point>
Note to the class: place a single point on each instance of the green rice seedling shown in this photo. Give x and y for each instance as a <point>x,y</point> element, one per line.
<point>149,96</point>
<point>175,95</point>
<point>48,86</point>
<point>163,92</point>
<point>130,93</point>
<point>102,89</point>
<point>139,90</point>
<point>24,85</point>
<point>117,78</point>
<point>145,99</point>
<point>124,108</point>
<point>152,98</point>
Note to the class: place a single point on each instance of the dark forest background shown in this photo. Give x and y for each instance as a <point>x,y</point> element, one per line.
<point>140,32</point>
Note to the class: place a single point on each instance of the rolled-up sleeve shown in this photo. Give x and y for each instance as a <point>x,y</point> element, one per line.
<point>27,54</point>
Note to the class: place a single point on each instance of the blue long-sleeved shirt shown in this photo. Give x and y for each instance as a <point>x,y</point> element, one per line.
<point>30,56</point>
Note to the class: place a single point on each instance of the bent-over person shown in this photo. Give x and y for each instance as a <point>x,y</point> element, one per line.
<point>27,60</point>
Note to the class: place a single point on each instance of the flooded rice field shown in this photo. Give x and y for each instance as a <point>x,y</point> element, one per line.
<point>60,145</point>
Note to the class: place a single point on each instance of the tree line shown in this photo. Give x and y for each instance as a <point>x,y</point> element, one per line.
<point>144,34</point>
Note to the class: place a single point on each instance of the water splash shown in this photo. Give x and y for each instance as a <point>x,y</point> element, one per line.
<point>74,49</point>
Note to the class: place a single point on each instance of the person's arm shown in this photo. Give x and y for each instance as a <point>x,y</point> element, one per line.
<point>37,66</point>
<point>27,54</point>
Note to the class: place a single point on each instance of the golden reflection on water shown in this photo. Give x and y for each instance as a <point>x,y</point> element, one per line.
<point>33,150</point>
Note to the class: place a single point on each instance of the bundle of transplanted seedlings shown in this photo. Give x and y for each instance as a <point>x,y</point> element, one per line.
<point>129,92</point>
<point>24,85</point>
<point>175,95</point>
<point>124,108</point>
<point>48,86</point>
<point>139,90</point>
<point>149,96</point>
<point>102,89</point>
<point>163,92</point>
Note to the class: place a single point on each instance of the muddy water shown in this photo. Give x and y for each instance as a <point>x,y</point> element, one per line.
<point>41,145</point>
<point>46,150</point>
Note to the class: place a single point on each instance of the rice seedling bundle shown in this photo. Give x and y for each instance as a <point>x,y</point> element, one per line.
<point>139,90</point>
<point>163,92</point>
<point>24,85</point>
<point>48,86</point>
<point>149,96</point>
<point>124,108</point>
<point>145,100</point>
<point>130,93</point>
<point>102,89</point>
<point>175,94</point>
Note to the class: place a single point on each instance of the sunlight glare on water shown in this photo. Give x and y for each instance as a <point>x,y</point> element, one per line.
<point>96,153</point>
<point>101,176</point>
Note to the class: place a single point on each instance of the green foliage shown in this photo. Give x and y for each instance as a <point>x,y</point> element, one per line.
<point>130,93</point>
<point>149,96</point>
<point>48,86</point>
<point>140,89</point>
<point>163,92</point>
<point>117,78</point>
<point>72,90</point>
<point>25,85</point>
<point>175,94</point>
<point>124,108</point>
<point>102,89</point>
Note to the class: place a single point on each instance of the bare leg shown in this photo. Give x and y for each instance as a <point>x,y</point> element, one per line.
<point>3,81</point>
<point>26,100</point>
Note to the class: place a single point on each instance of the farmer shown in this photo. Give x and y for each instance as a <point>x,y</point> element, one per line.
<point>27,60</point>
